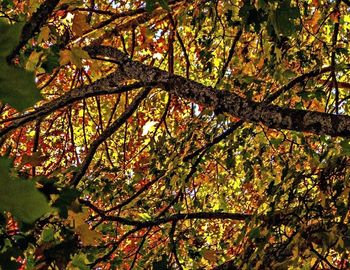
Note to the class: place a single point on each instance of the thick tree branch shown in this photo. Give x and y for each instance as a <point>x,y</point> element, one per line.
<point>172,218</point>
<point>269,99</point>
<point>228,102</point>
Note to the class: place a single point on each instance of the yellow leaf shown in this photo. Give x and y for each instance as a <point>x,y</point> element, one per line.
<point>78,54</point>
<point>65,57</point>
<point>33,60</point>
<point>33,5</point>
<point>80,24</point>
<point>88,237</point>
<point>74,56</point>
<point>44,34</point>
<point>78,219</point>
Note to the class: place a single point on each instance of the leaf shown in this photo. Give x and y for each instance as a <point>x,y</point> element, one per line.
<point>210,255</point>
<point>283,19</point>
<point>20,197</point>
<point>65,57</point>
<point>7,260</point>
<point>230,160</point>
<point>51,62</point>
<point>151,4</point>
<point>65,201</point>
<point>254,233</point>
<point>44,34</point>
<point>80,262</point>
<point>88,237</point>
<point>145,216</point>
<point>74,56</point>
<point>17,86</point>
<point>345,147</point>
<point>33,60</point>
<point>164,4</point>
<point>36,159</point>
<point>9,38</point>
<point>80,24</point>
<point>48,234</point>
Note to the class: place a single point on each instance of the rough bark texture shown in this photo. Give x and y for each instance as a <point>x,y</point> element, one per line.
<point>228,102</point>
<point>34,24</point>
<point>105,86</point>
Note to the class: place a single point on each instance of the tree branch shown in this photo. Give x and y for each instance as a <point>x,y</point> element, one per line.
<point>108,132</point>
<point>228,102</point>
<point>178,217</point>
<point>33,25</point>
<point>105,86</point>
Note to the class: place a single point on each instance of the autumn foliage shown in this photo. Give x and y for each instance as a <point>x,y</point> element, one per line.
<point>174,134</point>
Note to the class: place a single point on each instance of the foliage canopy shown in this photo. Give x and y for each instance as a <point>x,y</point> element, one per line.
<point>174,134</point>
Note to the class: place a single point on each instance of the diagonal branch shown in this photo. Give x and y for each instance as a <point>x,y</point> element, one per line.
<point>33,25</point>
<point>172,218</point>
<point>223,101</point>
<point>108,132</point>
<point>230,55</point>
<point>267,100</point>
<point>106,86</point>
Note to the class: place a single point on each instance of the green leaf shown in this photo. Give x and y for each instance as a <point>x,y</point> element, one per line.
<point>80,261</point>
<point>65,200</point>
<point>48,235</point>
<point>145,216</point>
<point>345,145</point>
<point>284,17</point>
<point>51,62</point>
<point>151,4</point>
<point>254,233</point>
<point>164,4</point>
<point>9,38</point>
<point>230,160</point>
<point>20,197</point>
<point>17,86</point>
<point>7,260</point>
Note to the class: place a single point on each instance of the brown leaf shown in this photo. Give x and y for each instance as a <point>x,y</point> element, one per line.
<point>80,24</point>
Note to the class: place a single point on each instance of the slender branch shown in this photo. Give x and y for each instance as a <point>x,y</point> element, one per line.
<point>104,86</point>
<point>173,244</point>
<point>230,55</point>
<point>144,237</point>
<point>108,132</point>
<point>136,194</point>
<point>114,248</point>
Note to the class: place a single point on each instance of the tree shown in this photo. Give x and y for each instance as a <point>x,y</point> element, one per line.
<point>174,134</point>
